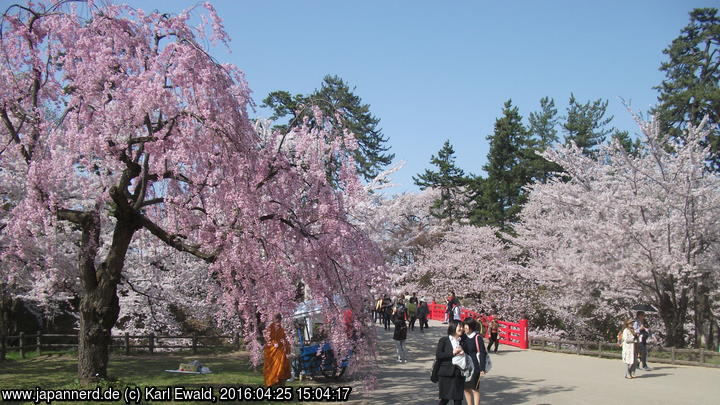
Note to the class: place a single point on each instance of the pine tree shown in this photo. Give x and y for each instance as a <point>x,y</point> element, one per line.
<point>543,133</point>
<point>450,180</point>
<point>335,95</point>
<point>499,197</point>
<point>586,124</point>
<point>691,89</point>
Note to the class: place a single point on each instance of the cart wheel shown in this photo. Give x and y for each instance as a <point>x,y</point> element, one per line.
<point>334,373</point>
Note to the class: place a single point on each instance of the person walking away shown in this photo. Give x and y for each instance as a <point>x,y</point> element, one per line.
<point>400,332</point>
<point>629,338</point>
<point>422,313</point>
<point>386,311</point>
<point>474,345</point>
<point>494,329</point>
<point>412,313</point>
<point>276,368</point>
<point>644,336</point>
<point>450,380</point>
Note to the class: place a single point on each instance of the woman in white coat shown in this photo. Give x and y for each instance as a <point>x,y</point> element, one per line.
<point>629,339</point>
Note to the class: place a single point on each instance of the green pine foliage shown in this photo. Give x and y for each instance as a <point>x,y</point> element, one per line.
<point>335,96</point>
<point>691,89</point>
<point>586,124</point>
<point>450,180</point>
<point>499,197</point>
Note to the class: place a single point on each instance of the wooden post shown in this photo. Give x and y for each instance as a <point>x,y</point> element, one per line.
<point>236,341</point>
<point>578,347</point>
<point>38,343</point>
<point>127,344</point>
<point>152,343</point>
<point>672,355</point>
<point>702,355</point>
<point>22,352</point>
<point>3,339</point>
<point>544,348</point>
<point>559,345</point>
<point>194,343</point>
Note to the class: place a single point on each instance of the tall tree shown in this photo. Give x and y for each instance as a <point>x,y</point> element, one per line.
<point>543,132</point>
<point>629,227</point>
<point>691,89</point>
<point>586,124</point>
<point>450,180</point>
<point>500,196</point>
<point>155,139</point>
<point>343,109</point>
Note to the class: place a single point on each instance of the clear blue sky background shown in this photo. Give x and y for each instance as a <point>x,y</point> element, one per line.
<point>435,70</point>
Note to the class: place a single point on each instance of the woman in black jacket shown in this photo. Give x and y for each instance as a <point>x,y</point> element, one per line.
<point>451,381</point>
<point>472,343</point>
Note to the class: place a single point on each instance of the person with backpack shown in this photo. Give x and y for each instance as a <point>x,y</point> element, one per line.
<point>412,313</point>
<point>386,309</point>
<point>399,318</point>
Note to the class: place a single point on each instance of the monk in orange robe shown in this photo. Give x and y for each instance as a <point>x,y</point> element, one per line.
<point>277,366</point>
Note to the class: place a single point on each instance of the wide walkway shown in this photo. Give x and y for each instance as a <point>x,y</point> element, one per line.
<point>535,377</point>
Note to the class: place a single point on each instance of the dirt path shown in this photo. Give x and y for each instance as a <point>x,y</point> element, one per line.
<point>535,377</point>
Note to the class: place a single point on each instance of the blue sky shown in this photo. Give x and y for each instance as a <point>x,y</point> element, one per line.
<point>434,70</point>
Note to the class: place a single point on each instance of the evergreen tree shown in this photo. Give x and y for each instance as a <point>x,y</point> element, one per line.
<point>630,146</point>
<point>543,132</point>
<point>586,124</point>
<point>499,197</point>
<point>335,96</point>
<point>691,89</point>
<point>450,180</point>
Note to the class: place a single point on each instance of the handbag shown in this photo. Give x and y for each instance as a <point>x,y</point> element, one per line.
<point>434,373</point>
<point>488,362</point>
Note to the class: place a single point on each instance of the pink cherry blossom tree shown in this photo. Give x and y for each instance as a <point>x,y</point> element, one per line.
<point>122,123</point>
<point>629,229</point>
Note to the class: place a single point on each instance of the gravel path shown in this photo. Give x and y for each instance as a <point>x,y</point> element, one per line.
<point>535,377</point>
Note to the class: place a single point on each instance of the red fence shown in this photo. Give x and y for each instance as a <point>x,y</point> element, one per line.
<point>509,333</point>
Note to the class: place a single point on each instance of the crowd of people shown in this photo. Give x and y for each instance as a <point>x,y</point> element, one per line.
<point>461,354</point>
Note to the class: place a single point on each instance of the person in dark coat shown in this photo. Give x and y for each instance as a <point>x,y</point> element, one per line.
<point>399,319</point>
<point>422,314</point>
<point>473,344</point>
<point>450,380</point>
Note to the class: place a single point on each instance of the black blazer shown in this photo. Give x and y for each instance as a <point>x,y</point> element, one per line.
<point>444,355</point>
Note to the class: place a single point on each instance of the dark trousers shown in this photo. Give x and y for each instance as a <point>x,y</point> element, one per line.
<point>493,339</point>
<point>423,323</point>
<point>386,320</point>
<point>412,322</point>
<point>643,354</point>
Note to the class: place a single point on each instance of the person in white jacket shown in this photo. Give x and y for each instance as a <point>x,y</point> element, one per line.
<point>629,338</point>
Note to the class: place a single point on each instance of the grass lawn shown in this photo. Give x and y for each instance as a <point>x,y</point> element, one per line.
<point>59,371</point>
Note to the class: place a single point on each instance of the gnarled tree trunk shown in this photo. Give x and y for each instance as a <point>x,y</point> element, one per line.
<point>99,303</point>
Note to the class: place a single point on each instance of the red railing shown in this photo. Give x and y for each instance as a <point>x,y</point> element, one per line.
<point>509,333</point>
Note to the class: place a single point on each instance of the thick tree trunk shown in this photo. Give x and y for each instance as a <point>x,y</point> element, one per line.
<point>99,303</point>
<point>98,313</point>
<point>673,312</point>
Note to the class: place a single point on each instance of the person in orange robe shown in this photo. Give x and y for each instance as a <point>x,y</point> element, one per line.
<point>277,366</point>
